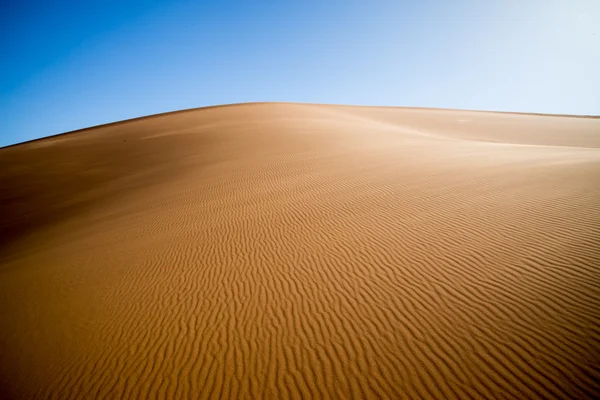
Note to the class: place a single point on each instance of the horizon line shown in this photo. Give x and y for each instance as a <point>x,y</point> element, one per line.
<point>249,103</point>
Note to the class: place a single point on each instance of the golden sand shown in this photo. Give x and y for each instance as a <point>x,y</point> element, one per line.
<point>303,251</point>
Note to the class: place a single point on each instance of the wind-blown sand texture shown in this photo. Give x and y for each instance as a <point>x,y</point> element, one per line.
<point>304,251</point>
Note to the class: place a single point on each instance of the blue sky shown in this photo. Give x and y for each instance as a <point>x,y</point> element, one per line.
<point>67,65</point>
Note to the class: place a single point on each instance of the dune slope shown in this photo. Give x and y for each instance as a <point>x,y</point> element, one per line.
<point>303,251</point>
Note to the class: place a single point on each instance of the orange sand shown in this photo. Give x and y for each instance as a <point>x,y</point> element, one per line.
<point>302,251</point>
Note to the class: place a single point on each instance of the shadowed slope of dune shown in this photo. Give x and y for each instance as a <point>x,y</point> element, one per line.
<point>297,251</point>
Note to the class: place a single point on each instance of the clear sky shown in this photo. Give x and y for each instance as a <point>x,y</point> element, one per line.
<point>66,65</point>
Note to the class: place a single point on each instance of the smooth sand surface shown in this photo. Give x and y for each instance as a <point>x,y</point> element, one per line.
<point>304,251</point>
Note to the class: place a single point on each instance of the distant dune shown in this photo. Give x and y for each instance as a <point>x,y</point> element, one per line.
<point>303,251</point>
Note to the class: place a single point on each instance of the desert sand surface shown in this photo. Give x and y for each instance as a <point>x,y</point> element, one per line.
<point>303,251</point>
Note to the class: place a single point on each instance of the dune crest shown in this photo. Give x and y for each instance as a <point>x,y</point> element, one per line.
<point>304,251</point>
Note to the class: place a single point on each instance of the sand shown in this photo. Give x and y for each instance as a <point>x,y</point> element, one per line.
<point>303,251</point>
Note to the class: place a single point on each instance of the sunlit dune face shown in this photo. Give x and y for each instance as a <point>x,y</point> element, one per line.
<point>297,251</point>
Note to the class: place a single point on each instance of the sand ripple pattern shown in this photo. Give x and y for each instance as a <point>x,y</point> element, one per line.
<point>299,251</point>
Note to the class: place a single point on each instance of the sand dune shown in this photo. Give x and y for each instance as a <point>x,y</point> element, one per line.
<point>302,251</point>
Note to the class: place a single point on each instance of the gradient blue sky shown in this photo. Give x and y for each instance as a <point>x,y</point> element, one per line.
<point>67,65</point>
